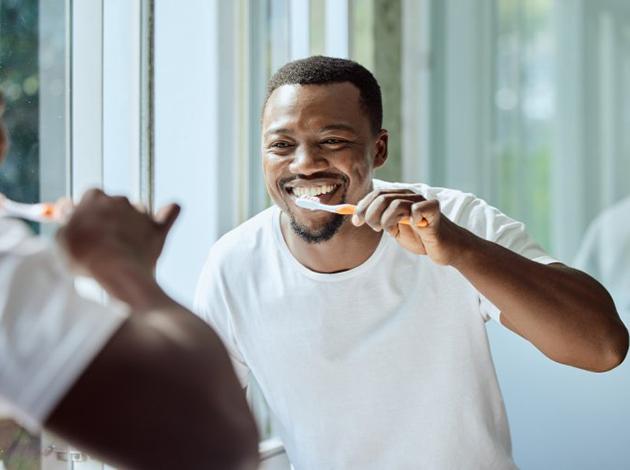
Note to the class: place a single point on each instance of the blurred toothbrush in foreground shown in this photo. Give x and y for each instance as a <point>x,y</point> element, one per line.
<point>312,203</point>
<point>41,212</point>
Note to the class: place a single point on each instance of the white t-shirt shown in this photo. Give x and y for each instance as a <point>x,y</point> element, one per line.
<point>385,366</point>
<point>48,333</point>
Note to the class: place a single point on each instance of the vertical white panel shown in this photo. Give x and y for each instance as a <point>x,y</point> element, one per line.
<point>337,28</point>
<point>259,34</point>
<point>121,97</point>
<point>299,28</point>
<point>468,81</point>
<point>87,95</point>
<point>187,116</point>
<point>607,105</point>
<point>231,70</point>
<point>53,99</point>
<point>569,155</point>
<point>416,158</point>
<point>279,33</point>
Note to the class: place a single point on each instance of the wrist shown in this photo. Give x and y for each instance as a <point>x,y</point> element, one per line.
<point>469,247</point>
<point>131,284</point>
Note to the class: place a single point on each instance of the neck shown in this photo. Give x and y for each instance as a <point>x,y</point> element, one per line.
<point>350,247</point>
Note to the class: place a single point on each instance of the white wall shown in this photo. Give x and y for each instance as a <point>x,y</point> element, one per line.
<point>186,136</point>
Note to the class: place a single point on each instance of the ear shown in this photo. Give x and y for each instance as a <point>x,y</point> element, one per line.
<point>380,145</point>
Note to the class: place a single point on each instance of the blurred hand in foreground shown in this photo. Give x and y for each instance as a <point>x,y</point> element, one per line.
<point>109,239</point>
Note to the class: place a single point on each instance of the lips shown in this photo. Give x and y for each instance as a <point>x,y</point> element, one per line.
<point>324,189</point>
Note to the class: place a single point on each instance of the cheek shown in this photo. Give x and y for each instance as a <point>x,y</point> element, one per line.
<point>272,171</point>
<point>359,169</point>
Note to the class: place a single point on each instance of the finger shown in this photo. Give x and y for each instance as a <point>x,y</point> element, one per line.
<point>141,207</point>
<point>60,237</point>
<point>122,200</point>
<point>63,209</point>
<point>396,211</point>
<point>166,217</point>
<point>92,194</point>
<point>375,211</point>
<point>428,210</point>
<point>359,214</point>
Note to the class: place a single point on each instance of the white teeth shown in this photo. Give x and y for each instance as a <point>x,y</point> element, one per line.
<point>312,191</point>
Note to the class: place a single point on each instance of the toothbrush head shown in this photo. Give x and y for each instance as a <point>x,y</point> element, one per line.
<point>309,202</point>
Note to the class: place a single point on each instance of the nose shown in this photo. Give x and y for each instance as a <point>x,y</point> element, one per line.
<point>307,160</point>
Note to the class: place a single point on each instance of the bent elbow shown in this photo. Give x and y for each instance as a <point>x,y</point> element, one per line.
<point>614,350</point>
<point>237,450</point>
<point>245,459</point>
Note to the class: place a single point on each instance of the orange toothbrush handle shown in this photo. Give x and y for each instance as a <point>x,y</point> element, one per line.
<point>407,221</point>
<point>348,209</point>
<point>48,211</point>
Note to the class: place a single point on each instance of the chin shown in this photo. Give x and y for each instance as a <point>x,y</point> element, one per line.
<point>320,232</point>
<point>313,223</point>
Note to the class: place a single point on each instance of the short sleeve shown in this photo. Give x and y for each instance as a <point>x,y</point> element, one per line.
<point>491,224</point>
<point>48,333</point>
<point>212,307</point>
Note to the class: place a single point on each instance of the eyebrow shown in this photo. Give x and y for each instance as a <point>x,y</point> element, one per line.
<point>331,127</point>
<point>277,130</point>
<point>338,127</point>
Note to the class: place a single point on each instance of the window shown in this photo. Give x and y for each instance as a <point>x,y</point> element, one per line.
<point>19,80</point>
<point>33,80</point>
<point>523,112</point>
<point>529,110</point>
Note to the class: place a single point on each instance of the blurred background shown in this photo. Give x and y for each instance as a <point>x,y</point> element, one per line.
<point>525,103</point>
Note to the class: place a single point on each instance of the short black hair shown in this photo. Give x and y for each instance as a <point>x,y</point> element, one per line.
<point>321,70</point>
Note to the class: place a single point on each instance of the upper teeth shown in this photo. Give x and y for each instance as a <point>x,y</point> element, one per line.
<point>313,190</point>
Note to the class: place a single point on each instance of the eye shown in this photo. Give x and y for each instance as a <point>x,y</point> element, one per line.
<point>333,141</point>
<point>280,145</point>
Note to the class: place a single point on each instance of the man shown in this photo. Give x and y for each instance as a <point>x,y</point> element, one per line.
<point>135,389</point>
<point>367,338</point>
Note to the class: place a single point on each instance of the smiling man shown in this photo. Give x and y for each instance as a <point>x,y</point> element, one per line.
<point>367,336</point>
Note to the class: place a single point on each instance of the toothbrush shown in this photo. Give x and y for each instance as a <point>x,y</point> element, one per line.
<point>42,212</point>
<point>312,203</point>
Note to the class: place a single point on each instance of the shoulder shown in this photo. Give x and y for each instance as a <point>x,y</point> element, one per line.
<point>246,240</point>
<point>19,246</point>
<point>13,234</point>
<point>236,253</point>
<point>459,206</point>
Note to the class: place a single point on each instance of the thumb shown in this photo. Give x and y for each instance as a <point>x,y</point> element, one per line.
<point>166,217</point>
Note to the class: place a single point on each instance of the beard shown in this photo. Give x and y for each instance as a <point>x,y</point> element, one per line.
<point>323,234</point>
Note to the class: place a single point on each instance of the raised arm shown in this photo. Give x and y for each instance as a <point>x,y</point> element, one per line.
<point>564,312</point>
<point>162,393</point>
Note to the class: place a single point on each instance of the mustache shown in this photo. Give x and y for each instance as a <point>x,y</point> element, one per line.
<point>313,176</point>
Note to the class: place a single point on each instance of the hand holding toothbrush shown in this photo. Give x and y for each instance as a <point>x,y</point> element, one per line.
<point>429,233</point>
<point>117,244</point>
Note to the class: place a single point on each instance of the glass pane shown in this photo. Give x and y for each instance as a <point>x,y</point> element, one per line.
<point>32,79</point>
<point>19,81</point>
<point>379,22</point>
<point>317,28</point>
<point>524,108</point>
<point>19,178</point>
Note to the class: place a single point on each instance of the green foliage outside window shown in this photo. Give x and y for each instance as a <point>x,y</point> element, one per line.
<point>19,175</point>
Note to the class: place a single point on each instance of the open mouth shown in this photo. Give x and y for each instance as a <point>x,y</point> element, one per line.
<point>324,191</point>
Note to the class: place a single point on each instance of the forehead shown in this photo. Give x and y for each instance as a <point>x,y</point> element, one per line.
<point>314,105</point>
